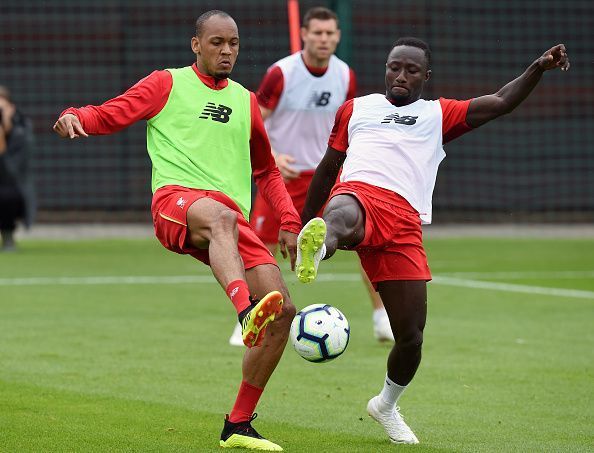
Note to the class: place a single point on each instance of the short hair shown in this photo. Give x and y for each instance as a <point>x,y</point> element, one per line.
<point>207,15</point>
<point>415,42</point>
<point>320,13</point>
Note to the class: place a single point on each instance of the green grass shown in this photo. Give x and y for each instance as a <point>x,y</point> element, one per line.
<point>147,367</point>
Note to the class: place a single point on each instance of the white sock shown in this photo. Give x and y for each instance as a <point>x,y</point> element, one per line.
<point>390,394</point>
<point>379,314</point>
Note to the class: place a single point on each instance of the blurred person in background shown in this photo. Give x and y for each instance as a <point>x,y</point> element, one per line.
<point>298,97</point>
<point>17,196</point>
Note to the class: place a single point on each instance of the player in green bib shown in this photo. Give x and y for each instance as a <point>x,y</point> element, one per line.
<point>206,139</point>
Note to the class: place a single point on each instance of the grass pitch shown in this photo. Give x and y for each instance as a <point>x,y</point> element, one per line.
<point>119,345</point>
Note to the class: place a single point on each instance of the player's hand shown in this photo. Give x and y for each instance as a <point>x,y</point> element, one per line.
<point>283,162</point>
<point>68,126</point>
<point>288,246</point>
<point>555,57</point>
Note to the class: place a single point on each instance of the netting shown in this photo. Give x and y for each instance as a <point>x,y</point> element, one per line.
<point>535,164</point>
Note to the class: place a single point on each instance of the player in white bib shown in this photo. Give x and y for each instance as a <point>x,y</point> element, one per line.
<point>389,147</point>
<point>298,98</point>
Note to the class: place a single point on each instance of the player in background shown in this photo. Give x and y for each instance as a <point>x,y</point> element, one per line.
<point>206,137</point>
<point>389,147</point>
<point>298,98</point>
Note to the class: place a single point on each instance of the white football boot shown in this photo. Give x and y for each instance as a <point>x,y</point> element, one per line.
<point>236,338</point>
<point>382,331</point>
<point>310,249</point>
<point>393,423</point>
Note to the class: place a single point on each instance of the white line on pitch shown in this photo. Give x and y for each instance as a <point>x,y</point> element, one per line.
<point>545,275</point>
<point>339,277</point>
<point>510,287</point>
<point>108,280</point>
<point>508,275</point>
<point>145,280</point>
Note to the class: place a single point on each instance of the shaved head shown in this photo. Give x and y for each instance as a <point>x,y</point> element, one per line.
<point>207,15</point>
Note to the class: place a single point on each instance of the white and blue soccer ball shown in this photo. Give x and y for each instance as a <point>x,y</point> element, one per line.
<point>320,332</point>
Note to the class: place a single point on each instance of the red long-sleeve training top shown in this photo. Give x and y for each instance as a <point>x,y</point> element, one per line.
<point>148,97</point>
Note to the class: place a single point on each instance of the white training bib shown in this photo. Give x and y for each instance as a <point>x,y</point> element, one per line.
<point>397,148</point>
<point>302,121</point>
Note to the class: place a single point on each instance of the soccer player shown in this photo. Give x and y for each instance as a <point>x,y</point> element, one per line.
<point>298,98</point>
<point>206,137</point>
<point>389,147</point>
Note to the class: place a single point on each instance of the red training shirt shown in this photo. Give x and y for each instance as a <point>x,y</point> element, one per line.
<point>147,98</point>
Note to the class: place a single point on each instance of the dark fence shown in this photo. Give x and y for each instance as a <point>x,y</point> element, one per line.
<point>535,164</point>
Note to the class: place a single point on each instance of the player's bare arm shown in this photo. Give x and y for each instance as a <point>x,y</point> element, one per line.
<point>322,183</point>
<point>486,108</point>
<point>68,126</point>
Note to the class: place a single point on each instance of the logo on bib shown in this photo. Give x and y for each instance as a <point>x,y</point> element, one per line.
<point>320,99</point>
<point>220,113</point>
<point>406,120</point>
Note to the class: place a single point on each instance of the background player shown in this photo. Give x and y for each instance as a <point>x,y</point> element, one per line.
<point>298,98</point>
<point>200,204</point>
<point>389,147</point>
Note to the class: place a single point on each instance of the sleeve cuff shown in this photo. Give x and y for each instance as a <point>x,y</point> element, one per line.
<point>291,227</point>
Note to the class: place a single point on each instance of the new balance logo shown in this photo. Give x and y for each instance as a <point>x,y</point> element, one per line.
<point>320,99</point>
<point>406,120</point>
<point>234,292</point>
<point>259,222</point>
<point>220,113</point>
<point>181,202</point>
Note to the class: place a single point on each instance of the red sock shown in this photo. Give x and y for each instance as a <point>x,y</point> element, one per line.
<point>246,402</point>
<point>239,294</point>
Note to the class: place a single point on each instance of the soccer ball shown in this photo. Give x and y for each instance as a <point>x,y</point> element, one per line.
<point>320,332</point>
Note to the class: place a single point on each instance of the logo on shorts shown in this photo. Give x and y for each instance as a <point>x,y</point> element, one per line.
<point>181,202</point>
<point>234,292</point>
<point>220,113</point>
<point>406,120</point>
<point>260,222</point>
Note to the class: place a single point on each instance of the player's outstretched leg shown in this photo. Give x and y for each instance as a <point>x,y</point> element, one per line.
<point>391,420</point>
<point>343,226</point>
<point>254,319</point>
<point>243,435</point>
<point>310,249</point>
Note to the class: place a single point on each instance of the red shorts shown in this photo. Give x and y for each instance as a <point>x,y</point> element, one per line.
<point>392,248</point>
<point>262,217</point>
<point>169,208</point>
